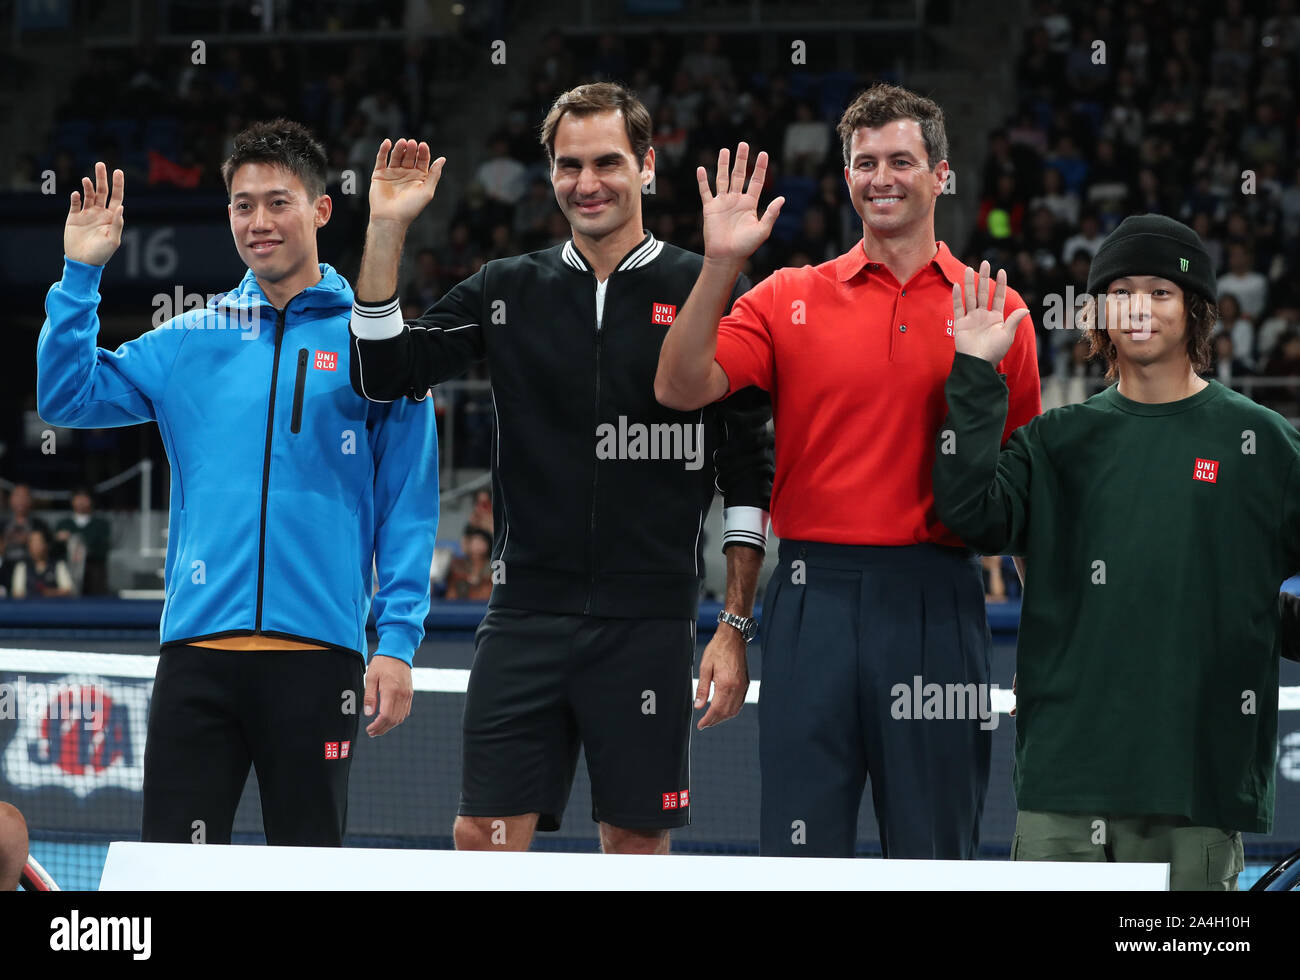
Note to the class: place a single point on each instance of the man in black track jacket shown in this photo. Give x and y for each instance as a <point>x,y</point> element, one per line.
<point>599,492</point>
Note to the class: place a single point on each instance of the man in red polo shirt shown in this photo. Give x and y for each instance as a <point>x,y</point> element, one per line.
<point>874,601</point>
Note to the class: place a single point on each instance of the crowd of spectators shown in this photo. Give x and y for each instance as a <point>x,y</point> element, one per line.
<point>37,560</point>
<point>1131,106</point>
<point>465,572</point>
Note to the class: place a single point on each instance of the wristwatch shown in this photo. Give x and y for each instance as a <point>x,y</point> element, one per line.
<point>748,627</point>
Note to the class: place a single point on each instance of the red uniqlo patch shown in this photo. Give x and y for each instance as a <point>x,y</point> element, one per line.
<point>1207,470</point>
<point>344,749</point>
<point>662,314</point>
<point>327,360</point>
<point>684,797</point>
<point>670,801</point>
<point>331,750</point>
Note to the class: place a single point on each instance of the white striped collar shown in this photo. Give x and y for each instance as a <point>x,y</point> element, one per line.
<point>646,252</point>
<point>573,257</point>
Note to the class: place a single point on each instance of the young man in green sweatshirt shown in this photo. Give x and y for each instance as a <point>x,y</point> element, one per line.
<point>1158,520</point>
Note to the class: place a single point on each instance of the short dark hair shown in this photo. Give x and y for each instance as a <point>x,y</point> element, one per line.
<point>471,531</point>
<point>282,143</point>
<point>1202,315</point>
<point>883,103</point>
<point>587,100</point>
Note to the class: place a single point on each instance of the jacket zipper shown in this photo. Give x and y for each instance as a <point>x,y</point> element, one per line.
<point>591,536</point>
<point>266,469</point>
<point>295,424</point>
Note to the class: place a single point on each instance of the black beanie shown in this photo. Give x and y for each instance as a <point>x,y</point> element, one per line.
<point>1153,245</point>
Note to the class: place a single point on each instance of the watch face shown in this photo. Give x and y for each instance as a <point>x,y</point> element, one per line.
<point>748,627</point>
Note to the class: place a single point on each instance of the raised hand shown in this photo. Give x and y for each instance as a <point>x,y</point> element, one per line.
<point>93,230</point>
<point>732,228</point>
<point>404,181</point>
<point>978,329</point>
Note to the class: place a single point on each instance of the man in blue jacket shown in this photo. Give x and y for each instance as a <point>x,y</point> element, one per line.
<point>287,489</point>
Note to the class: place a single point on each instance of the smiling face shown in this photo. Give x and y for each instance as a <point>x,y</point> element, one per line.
<point>1146,318</point>
<point>274,221</point>
<point>890,180</point>
<point>596,175</point>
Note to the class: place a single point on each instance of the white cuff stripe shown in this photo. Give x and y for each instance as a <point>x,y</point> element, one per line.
<point>377,322</point>
<point>376,309</point>
<point>745,525</point>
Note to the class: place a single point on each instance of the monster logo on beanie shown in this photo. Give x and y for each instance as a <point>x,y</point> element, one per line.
<point>1153,245</point>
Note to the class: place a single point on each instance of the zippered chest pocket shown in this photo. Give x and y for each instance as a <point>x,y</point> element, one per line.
<point>326,448</point>
<point>322,394</point>
<point>299,390</point>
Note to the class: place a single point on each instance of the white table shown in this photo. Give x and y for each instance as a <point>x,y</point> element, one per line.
<point>215,867</point>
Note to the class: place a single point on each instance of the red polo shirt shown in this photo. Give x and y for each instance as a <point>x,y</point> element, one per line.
<point>856,364</point>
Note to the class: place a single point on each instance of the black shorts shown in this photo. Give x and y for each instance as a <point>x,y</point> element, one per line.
<point>215,713</point>
<point>543,684</point>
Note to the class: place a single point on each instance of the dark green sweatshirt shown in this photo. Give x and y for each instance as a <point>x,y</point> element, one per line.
<point>1156,539</point>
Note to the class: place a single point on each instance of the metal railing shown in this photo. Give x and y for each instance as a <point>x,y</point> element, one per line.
<point>142,469</point>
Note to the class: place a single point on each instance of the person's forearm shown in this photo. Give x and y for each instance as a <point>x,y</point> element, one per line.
<point>377,279</point>
<point>377,318</point>
<point>997,586</point>
<point>970,497</point>
<point>686,357</point>
<point>743,566</point>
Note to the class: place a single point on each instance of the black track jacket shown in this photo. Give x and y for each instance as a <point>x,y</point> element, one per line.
<point>599,492</point>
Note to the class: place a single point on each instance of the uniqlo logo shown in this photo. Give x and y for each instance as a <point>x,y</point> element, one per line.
<point>327,360</point>
<point>1207,470</point>
<point>685,798</point>
<point>670,801</point>
<point>662,314</point>
<point>331,750</point>
<point>344,749</point>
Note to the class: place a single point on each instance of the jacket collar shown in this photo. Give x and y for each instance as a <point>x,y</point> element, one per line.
<point>332,292</point>
<point>643,254</point>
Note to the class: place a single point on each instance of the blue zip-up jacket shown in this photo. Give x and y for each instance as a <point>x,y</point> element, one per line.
<point>286,485</point>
